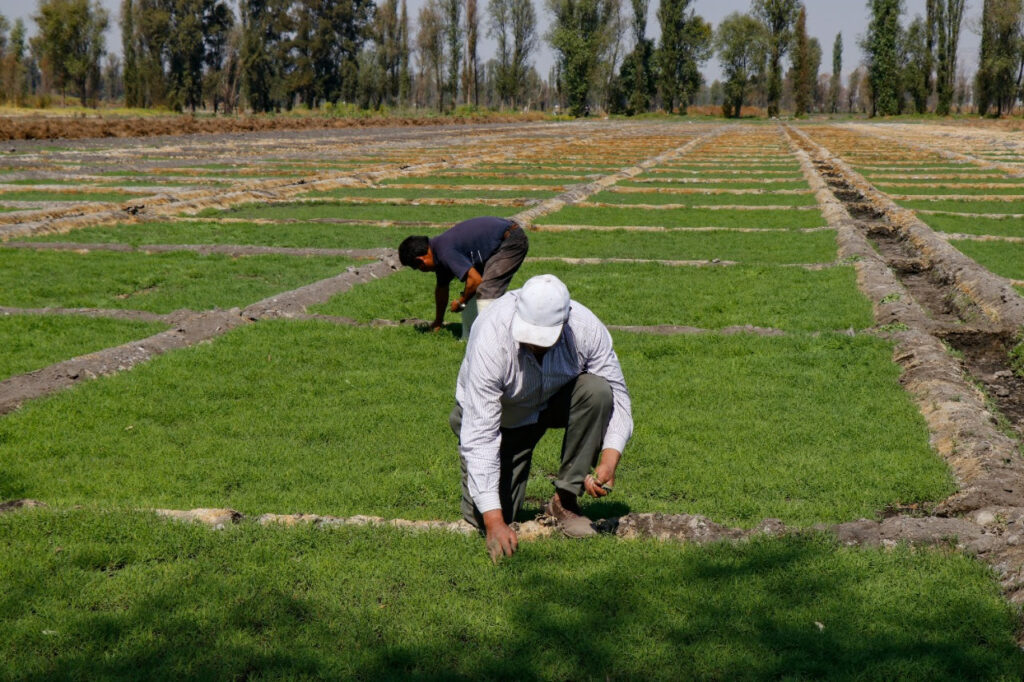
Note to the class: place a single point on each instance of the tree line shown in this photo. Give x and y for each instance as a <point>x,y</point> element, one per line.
<point>275,55</point>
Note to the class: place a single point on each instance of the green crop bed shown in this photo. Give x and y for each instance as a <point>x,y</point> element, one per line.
<point>296,235</point>
<point>445,193</point>
<point>1006,227</point>
<point>965,206</point>
<point>103,596</point>
<point>31,342</point>
<point>706,183</point>
<point>308,211</point>
<point>1002,258</point>
<point>33,195</point>
<point>684,217</point>
<point>158,283</point>
<point>646,294</point>
<point>767,199</point>
<point>746,247</point>
<point>309,417</point>
<point>1008,190</point>
<point>468,179</point>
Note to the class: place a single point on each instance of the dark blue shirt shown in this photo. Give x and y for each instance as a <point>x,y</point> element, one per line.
<point>467,245</point>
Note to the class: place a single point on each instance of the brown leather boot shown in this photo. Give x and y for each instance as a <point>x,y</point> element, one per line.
<point>570,520</point>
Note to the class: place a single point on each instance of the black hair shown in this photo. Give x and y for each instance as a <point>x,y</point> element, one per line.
<point>412,248</point>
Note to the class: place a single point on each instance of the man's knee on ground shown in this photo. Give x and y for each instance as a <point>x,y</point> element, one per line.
<point>593,390</point>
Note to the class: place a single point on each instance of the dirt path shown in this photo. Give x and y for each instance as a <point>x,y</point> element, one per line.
<point>931,297</point>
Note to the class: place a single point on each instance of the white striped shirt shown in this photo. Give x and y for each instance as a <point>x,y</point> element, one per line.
<point>501,385</point>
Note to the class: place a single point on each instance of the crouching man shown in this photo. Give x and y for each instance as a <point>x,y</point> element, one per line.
<point>483,252</point>
<point>537,360</point>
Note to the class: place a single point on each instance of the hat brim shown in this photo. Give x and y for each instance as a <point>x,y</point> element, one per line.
<point>524,332</point>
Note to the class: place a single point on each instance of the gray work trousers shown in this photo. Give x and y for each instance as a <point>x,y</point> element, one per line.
<point>503,264</point>
<point>582,407</point>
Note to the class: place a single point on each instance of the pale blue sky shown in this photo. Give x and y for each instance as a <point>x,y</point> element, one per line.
<point>825,18</point>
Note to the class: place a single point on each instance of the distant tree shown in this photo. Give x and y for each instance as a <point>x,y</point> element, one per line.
<point>430,47</point>
<point>472,58</point>
<point>637,76</point>
<point>803,78</point>
<point>14,70</point>
<point>947,19</point>
<point>263,52</point>
<point>740,42</point>
<point>915,58</point>
<point>836,82</point>
<point>70,44</point>
<point>453,45</point>
<point>881,50</point>
<point>998,81</point>
<point>404,52</point>
<point>778,17</point>
<point>685,45</point>
<point>581,34</point>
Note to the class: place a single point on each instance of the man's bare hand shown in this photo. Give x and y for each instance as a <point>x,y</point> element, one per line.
<point>458,305</point>
<point>602,480</point>
<point>502,541</point>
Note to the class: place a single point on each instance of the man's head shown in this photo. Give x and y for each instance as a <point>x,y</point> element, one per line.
<point>541,311</point>
<point>415,252</point>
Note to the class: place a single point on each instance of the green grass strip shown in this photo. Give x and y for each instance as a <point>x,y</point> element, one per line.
<point>31,342</point>
<point>306,416</point>
<point>1003,227</point>
<point>684,217</point>
<point>307,211</point>
<point>966,206</point>
<point>642,294</point>
<point>962,191</point>
<point>103,596</point>
<point>30,195</point>
<point>657,198</point>
<point>272,602</point>
<point>712,184</point>
<point>295,235</point>
<point>158,283</point>
<point>469,179</point>
<point>1003,258</point>
<point>401,193</point>
<point>744,247</point>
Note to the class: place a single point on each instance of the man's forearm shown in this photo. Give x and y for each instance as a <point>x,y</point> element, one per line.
<point>440,303</point>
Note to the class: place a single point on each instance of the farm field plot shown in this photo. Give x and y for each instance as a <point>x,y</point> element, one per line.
<point>774,430</point>
<point>33,342</point>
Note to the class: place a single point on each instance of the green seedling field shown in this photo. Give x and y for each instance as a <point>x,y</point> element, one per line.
<point>159,283</point>
<point>1008,190</point>
<point>711,183</point>
<point>966,206</point>
<point>766,199</point>
<point>793,299</point>
<point>294,235</point>
<point>33,342</point>
<point>684,217</point>
<point>1002,258</point>
<point>1005,227</point>
<point>289,417</point>
<point>312,210</point>
<point>30,195</point>
<point>401,193</point>
<point>471,178</point>
<point>102,596</point>
<point>745,247</point>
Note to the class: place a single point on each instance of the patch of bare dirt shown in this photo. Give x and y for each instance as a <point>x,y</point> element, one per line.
<point>73,127</point>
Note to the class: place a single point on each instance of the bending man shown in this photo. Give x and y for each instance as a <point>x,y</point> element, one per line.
<point>537,361</point>
<point>482,252</point>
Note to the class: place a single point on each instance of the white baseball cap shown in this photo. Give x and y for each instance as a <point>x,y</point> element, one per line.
<point>541,310</point>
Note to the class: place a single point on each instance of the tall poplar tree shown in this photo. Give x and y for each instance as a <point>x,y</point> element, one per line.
<point>836,84</point>
<point>778,17</point>
<point>997,81</point>
<point>685,44</point>
<point>949,18</point>
<point>881,50</point>
<point>453,44</point>
<point>804,81</point>
<point>580,35</point>
<point>740,44</point>
<point>71,43</point>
